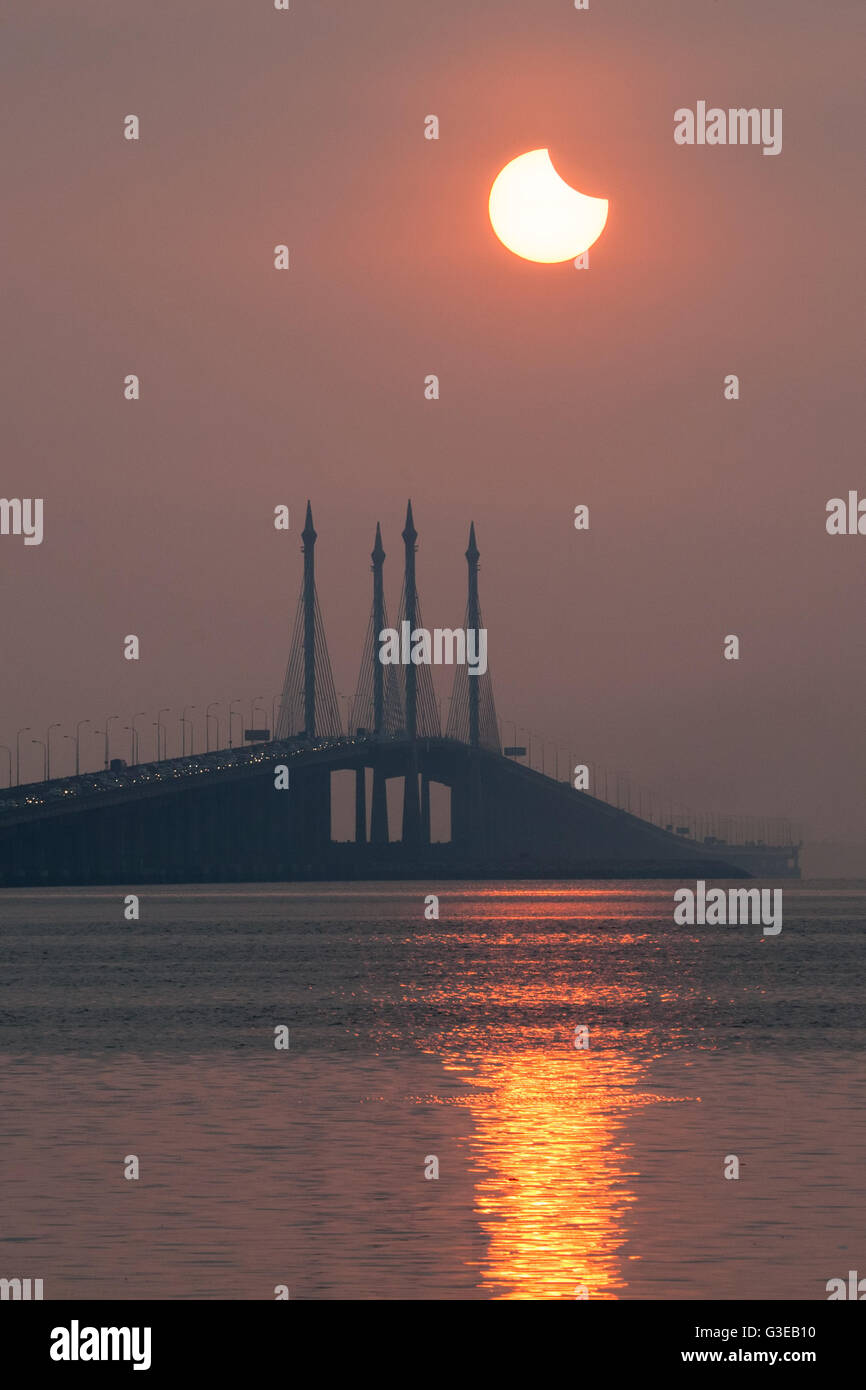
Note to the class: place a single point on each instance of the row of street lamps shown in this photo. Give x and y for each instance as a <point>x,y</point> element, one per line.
<point>160,734</point>
<point>618,789</point>
<point>615,787</point>
<point>255,707</point>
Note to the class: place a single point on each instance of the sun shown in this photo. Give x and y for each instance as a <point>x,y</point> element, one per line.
<point>540,217</point>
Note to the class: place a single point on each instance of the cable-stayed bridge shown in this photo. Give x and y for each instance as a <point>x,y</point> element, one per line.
<point>263,812</point>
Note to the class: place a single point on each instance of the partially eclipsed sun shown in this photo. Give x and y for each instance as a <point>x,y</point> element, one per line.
<point>540,217</point>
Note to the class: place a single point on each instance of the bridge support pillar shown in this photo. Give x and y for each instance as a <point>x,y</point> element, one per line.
<point>411,805</point>
<point>379,809</point>
<point>360,806</point>
<point>425,809</point>
<point>459,812</point>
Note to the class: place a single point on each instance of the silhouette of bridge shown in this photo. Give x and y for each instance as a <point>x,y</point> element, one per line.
<point>263,812</point>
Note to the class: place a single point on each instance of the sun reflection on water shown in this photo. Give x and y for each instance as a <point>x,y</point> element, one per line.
<point>552,1174</point>
<point>548,1151</point>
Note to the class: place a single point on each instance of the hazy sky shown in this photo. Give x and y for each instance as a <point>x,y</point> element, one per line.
<point>558,386</point>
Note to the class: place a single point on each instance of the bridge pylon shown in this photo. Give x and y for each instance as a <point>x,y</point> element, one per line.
<point>422,719</point>
<point>472,715</point>
<point>378,706</point>
<point>309,700</point>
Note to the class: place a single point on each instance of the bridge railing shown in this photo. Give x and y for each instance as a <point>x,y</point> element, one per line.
<point>664,808</point>
<point>168,772</point>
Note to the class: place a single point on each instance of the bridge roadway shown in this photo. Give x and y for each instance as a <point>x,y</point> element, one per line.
<point>219,817</point>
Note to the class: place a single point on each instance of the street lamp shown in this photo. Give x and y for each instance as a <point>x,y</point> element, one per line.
<point>25,730</point>
<point>528,742</point>
<point>70,737</point>
<point>214,704</point>
<point>183,724</point>
<point>253,703</point>
<point>274,703</point>
<point>231,712</point>
<point>78,728</point>
<point>8,752</point>
<point>134,740</point>
<point>41,743</point>
<point>48,750</point>
<point>158,727</point>
<point>108,736</point>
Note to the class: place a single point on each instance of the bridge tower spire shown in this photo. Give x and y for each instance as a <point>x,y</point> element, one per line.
<point>419,697</point>
<point>377,706</point>
<point>309,700</point>
<point>308,536</point>
<point>379,806</point>
<point>472,716</point>
<point>411,801</point>
<point>473,623</point>
<point>410,600</point>
<point>377,555</point>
